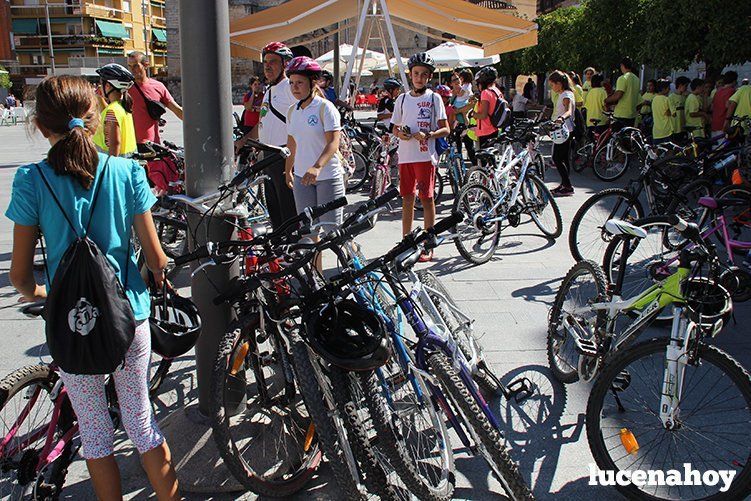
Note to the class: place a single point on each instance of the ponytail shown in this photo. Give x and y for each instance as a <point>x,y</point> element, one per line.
<point>126,101</point>
<point>66,106</point>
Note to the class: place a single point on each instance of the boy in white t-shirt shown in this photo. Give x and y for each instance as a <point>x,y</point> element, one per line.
<point>419,119</point>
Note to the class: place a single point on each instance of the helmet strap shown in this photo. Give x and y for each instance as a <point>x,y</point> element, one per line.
<point>421,91</point>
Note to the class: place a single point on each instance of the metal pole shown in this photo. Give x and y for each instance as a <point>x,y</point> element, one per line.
<point>209,155</point>
<point>394,45</point>
<point>144,4</point>
<point>336,60</point>
<point>49,35</point>
<point>355,44</point>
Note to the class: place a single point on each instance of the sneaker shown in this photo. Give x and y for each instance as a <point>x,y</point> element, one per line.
<point>563,191</point>
<point>426,256</point>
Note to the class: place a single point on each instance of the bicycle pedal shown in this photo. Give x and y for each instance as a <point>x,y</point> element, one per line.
<point>520,389</point>
<point>586,347</point>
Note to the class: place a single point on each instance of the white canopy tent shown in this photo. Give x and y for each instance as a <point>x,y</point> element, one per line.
<point>372,58</point>
<point>451,55</point>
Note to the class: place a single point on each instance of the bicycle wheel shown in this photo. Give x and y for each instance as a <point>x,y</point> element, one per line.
<point>582,157</point>
<point>488,440</point>
<point>650,261</point>
<point>738,218</point>
<point>361,174</point>
<point>478,175</point>
<point>437,191</point>
<point>712,432</point>
<point>587,236</point>
<point>583,284</point>
<point>315,389</point>
<point>25,414</point>
<point>610,169</point>
<point>256,413</point>
<point>542,207</point>
<point>685,203</point>
<point>477,235</point>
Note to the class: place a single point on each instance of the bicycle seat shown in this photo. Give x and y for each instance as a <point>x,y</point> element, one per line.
<point>33,310</point>
<point>595,121</point>
<point>721,203</point>
<point>619,227</point>
<point>608,114</point>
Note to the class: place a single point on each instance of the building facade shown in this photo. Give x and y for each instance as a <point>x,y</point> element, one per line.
<point>77,36</point>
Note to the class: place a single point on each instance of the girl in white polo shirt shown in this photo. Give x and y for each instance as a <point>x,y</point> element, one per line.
<point>314,170</point>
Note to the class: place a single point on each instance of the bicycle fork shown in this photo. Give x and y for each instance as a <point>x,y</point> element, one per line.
<point>676,356</point>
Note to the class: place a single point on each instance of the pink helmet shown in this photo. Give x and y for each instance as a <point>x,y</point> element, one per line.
<point>279,49</point>
<point>303,65</point>
<point>443,90</point>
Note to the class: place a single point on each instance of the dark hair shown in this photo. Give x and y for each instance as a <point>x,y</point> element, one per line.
<point>253,79</point>
<point>597,79</point>
<point>662,85</point>
<point>58,100</point>
<point>652,81</point>
<point>142,58</point>
<point>729,77</point>
<point>682,80</point>
<point>125,100</point>
<point>575,78</point>
<point>562,78</point>
<point>466,76</point>
<point>628,63</point>
<point>696,83</point>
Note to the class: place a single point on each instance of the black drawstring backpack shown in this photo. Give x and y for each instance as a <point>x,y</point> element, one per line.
<point>89,319</point>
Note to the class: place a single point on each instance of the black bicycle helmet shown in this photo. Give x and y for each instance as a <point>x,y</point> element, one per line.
<point>486,75</point>
<point>391,83</point>
<point>708,303</point>
<point>347,335</point>
<point>116,75</point>
<point>175,324</point>
<point>628,140</point>
<point>421,59</point>
<point>327,74</point>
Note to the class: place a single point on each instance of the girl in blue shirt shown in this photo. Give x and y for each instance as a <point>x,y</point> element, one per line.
<point>66,114</point>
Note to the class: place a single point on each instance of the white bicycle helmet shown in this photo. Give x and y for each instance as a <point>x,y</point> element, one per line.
<point>559,134</point>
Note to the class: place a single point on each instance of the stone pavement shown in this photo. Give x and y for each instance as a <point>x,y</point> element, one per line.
<point>509,297</point>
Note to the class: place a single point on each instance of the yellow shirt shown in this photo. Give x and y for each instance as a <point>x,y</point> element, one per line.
<point>662,117</point>
<point>554,97</point>
<point>579,95</point>
<point>628,83</point>
<point>677,104</point>
<point>647,108</point>
<point>742,98</point>
<point>595,104</point>
<point>586,87</point>
<point>125,123</point>
<point>694,103</point>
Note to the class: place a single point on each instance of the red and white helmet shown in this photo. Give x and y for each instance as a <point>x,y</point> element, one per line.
<point>279,49</point>
<point>303,65</point>
<point>443,90</point>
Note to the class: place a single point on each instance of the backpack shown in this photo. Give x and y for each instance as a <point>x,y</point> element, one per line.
<point>89,320</point>
<point>501,117</point>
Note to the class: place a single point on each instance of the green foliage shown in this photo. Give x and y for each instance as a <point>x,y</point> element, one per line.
<point>5,82</point>
<point>660,33</point>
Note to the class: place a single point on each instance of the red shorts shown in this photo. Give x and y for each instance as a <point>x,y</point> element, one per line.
<point>417,176</point>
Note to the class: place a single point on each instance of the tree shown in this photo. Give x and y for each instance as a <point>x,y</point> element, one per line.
<point>5,82</point>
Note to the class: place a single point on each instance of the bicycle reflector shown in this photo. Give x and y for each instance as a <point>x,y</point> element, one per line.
<point>629,441</point>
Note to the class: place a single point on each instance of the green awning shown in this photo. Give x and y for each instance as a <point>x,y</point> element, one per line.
<point>110,29</point>
<point>25,26</point>
<point>109,52</point>
<point>159,34</point>
<point>76,20</point>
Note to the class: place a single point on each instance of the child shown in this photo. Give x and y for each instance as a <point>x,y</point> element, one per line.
<point>419,118</point>
<point>696,117</point>
<point>595,105</point>
<point>662,117</point>
<point>116,134</point>
<point>66,114</point>
<point>677,101</point>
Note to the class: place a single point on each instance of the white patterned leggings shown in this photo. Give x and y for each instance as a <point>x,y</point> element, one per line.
<point>86,393</point>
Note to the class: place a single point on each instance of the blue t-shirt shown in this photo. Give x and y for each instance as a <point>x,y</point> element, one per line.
<point>124,194</point>
<point>330,93</point>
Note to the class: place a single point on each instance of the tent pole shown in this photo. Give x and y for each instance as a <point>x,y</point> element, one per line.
<point>355,44</point>
<point>385,46</point>
<point>395,45</point>
<point>362,63</point>
<point>336,59</point>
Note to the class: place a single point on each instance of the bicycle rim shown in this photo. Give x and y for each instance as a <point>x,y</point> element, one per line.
<point>542,207</point>
<point>713,429</point>
<point>476,240</point>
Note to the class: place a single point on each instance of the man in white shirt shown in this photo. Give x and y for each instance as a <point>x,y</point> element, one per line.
<point>272,129</point>
<point>419,119</point>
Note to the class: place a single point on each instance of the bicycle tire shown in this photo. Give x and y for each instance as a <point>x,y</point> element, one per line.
<point>462,206</point>
<point>582,160</point>
<point>478,175</point>
<point>160,374</point>
<point>709,355</point>
<point>314,399</point>
<point>633,210</point>
<point>685,204</point>
<point>487,438</point>
<point>555,340</point>
<point>12,385</point>
<point>549,200</point>
<point>600,168</point>
<point>226,366</point>
<point>361,174</point>
<point>735,191</point>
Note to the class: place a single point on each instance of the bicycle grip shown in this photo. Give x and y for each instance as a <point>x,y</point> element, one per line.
<point>385,198</point>
<point>318,211</point>
<point>447,223</point>
<point>200,253</point>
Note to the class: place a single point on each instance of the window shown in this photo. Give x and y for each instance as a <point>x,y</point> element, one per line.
<point>129,32</point>
<point>126,5</point>
<point>74,29</point>
<point>37,59</point>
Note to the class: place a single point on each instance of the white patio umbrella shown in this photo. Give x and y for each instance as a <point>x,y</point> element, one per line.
<point>373,58</point>
<point>454,55</point>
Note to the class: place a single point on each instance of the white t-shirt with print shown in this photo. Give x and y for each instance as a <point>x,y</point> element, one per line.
<point>305,127</point>
<point>418,114</point>
<point>271,130</point>
<point>560,108</point>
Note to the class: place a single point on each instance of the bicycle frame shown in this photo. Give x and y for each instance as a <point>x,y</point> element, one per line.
<point>502,181</point>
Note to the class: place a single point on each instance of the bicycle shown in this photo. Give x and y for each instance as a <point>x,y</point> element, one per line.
<point>502,194</point>
<point>601,154</point>
<point>669,184</point>
<point>675,398</point>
